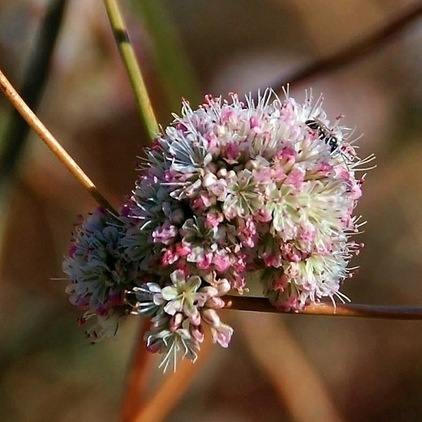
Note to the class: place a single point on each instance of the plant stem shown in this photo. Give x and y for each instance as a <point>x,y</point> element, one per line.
<point>260,304</point>
<point>51,142</point>
<point>173,387</point>
<point>138,375</point>
<point>129,59</point>
<point>172,63</point>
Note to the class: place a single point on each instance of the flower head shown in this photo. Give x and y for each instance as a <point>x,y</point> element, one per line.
<point>180,312</point>
<point>98,272</point>
<point>232,188</point>
<point>230,191</point>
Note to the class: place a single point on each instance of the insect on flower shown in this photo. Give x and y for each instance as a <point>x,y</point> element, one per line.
<point>323,133</point>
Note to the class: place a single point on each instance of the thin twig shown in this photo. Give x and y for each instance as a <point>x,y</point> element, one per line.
<point>51,142</point>
<point>260,304</point>
<point>351,52</point>
<point>129,59</point>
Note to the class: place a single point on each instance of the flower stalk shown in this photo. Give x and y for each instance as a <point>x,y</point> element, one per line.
<point>127,53</point>
<point>138,376</point>
<point>35,123</point>
<point>260,304</point>
<point>160,405</point>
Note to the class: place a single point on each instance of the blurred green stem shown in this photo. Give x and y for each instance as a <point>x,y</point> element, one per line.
<point>352,52</point>
<point>173,65</point>
<point>129,59</point>
<point>15,136</point>
<point>34,81</point>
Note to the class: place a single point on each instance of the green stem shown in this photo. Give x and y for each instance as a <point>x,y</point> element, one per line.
<point>171,60</point>
<point>129,59</point>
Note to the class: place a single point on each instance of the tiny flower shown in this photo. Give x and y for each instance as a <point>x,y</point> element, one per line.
<point>148,299</point>
<point>182,295</point>
<point>221,333</point>
<point>173,344</point>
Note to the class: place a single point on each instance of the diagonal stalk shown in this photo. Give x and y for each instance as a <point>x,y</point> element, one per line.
<point>35,123</point>
<point>160,405</point>
<point>129,60</point>
<point>34,81</point>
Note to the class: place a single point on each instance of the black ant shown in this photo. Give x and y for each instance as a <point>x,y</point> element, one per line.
<point>323,133</point>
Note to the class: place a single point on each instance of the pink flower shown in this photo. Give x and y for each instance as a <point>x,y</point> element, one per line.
<point>228,191</point>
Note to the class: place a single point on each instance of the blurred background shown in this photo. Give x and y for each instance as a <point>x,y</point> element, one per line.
<point>366,370</point>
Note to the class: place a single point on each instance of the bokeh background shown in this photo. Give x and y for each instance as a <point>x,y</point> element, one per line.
<point>366,370</point>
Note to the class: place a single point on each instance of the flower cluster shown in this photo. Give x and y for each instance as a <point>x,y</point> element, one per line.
<point>178,313</point>
<point>98,272</point>
<point>231,192</point>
